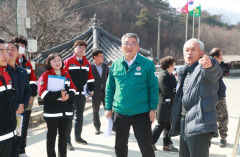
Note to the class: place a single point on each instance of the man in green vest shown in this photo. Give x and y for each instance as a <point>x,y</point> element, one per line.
<point>132,93</point>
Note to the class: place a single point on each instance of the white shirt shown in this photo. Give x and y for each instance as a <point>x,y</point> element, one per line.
<point>78,58</point>
<point>20,60</point>
<point>99,68</point>
<point>131,61</point>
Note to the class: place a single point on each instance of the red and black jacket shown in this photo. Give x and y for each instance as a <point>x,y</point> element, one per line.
<point>80,73</point>
<point>8,101</point>
<point>52,106</point>
<point>26,64</point>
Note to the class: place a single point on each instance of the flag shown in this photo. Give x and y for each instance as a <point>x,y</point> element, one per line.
<point>194,8</point>
<point>196,12</point>
<point>185,8</point>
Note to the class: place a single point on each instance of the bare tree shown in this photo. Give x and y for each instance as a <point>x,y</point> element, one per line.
<point>7,19</point>
<point>53,22</point>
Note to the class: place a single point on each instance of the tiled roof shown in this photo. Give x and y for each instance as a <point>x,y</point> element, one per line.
<point>96,37</point>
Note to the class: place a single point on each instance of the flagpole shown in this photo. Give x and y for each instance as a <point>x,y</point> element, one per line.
<point>186,31</point>
<point>199,27</point>
<point>193,26</point>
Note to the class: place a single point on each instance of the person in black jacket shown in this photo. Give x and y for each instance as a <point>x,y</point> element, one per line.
<point>167,90</point>
<point>23,62</point>
<point>100,72</point>
<point>21,84</point>
<point>58,105</point>
<point>81,74</point>
<point>222,113</point>
<point>8,107</point>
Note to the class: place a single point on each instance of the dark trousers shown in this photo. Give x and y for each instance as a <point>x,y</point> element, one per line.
<point>97,99</point>
<point>142,130</point>
<point>55,125</point>
<point>6,148</point>
<point>166,126</point>
<point>79,102</point>
<point>23,138</point>
<point>194,146</point>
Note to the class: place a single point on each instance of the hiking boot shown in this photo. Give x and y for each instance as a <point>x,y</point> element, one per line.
<point>170,148</point>
<point>223,143</point>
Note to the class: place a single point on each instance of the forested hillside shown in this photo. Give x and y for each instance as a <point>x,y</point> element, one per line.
<point>56,21</point>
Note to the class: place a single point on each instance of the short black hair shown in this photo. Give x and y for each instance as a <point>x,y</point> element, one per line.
<point>166,62</point>
<point>96,52</point>
<point>80,43</point>
<point>215,52</point>
<point>15,44</point>
<point>21,40</point>
<point>50,57</point>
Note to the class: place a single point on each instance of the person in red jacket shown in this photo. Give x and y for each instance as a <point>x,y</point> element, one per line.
<point>81,73</point>
<point>26,64</point>
<point>8,106</point>
<point>58,105</point>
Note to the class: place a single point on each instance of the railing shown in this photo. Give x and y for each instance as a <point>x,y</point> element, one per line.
<point>236,143</point>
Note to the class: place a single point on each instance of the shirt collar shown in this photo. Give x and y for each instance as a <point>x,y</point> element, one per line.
<point>131,61</point>
<point>79,58</point>
<point>97,65</point>
<point>20,60</point>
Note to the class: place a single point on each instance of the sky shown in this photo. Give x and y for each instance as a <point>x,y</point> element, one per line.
<point>230,5</point>
<point>230,9</point>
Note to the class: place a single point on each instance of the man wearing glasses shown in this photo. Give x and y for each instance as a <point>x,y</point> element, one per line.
<point>132,92</point>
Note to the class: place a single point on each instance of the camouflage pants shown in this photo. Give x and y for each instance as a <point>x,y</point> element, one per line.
<point>222,117</point>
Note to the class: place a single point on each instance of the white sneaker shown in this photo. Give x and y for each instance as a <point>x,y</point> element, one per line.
<point>23,155</point>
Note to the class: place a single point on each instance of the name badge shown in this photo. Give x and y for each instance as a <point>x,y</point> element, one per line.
<point>138,74</point>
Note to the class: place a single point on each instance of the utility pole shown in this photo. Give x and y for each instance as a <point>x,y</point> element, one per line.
<point>159,36</point>
<point>22,18</point>
<point>186,27</point>
<point>193,26</point>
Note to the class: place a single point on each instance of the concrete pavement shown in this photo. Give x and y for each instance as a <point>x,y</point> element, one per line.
<point>100,146</point>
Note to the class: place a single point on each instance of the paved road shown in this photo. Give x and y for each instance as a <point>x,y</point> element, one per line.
<point>100,146</point>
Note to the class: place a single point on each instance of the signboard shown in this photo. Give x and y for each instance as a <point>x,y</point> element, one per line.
<point>32,45</point>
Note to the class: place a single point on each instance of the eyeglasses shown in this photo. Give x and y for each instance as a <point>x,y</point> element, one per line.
<point>131,45</point>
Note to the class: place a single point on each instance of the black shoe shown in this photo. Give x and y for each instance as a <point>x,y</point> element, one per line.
<point>223,143</point>
<point>154,147</point>
<point>70,147</point>
<point>97,132</point>
<point>170,148</point>
<point>81,141</point>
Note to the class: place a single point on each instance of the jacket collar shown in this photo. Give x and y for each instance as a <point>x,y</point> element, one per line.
<point>190,68</point>
<point>24,60</point>
<point>10,68</point>
<point>63,72</point>
<point>83,57</point>
<point>2,69</point>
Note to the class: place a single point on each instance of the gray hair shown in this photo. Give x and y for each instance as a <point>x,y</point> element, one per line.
<point>130,35</point>
<point>200,43</point>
